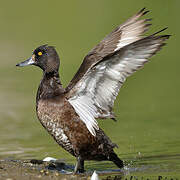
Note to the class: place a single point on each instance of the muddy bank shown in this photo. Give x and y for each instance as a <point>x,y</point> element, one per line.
<point>37,169</point>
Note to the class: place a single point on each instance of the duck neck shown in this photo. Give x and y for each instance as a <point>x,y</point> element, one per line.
<point>50,86</point>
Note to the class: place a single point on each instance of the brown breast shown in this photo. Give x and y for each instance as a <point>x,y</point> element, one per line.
<point>61,121</point>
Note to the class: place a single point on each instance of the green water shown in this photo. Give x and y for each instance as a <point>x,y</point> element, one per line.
<point>147,108</point>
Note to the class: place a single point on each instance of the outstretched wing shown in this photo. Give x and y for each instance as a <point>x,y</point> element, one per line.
<point>128,32</point>
<point>93,95</point>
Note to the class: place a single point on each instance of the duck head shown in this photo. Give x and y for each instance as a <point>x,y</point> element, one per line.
<point>44,57</point>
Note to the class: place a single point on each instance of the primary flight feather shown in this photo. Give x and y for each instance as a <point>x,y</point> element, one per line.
<point>95,86</point>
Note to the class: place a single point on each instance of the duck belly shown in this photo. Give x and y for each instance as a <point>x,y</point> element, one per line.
<point>69,131</point>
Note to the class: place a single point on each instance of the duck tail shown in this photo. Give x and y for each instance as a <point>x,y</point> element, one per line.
<point>114,158</point>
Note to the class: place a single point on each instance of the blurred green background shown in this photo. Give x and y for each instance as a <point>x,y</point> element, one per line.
<point>147,109</point>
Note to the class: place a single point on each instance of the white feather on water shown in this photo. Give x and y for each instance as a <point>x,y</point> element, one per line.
<point>95,176</point>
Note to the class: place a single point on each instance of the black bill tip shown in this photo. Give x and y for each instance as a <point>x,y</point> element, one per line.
<point>29,61</point>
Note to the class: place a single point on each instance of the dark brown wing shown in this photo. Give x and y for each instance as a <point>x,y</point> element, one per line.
<point>93,96</point>
<point>127,33</point>
<point>95,86</point>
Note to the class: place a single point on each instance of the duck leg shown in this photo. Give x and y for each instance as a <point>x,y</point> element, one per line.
<point>79,168</point>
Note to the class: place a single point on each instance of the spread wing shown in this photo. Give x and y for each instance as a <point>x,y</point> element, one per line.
<point>93,95</point>
<point>128,32</point>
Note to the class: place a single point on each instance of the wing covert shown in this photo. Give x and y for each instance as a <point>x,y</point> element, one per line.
<point>95,86</point>
<point>126,33</point>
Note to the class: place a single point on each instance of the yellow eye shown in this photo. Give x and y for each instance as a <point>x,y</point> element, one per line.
<point>40,53</point>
